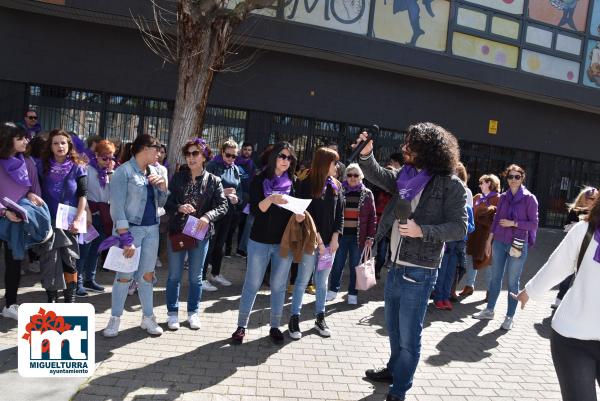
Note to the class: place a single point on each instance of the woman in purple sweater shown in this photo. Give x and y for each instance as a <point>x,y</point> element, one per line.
<point>513,233</point>
<point>18,179</point>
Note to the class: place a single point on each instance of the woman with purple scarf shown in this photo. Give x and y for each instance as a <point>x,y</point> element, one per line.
<point>513,232</point>
<point>359,230</point>
<point>18,180</point>
<point>266,190</point>
<point>63,179</point>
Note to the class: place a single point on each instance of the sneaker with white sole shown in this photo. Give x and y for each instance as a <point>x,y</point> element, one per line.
<point>12,312</point>
<point>207,286</point>
<point>321,326</point>
<point>112,328</point>
<point>352,299</point>
<point>194,320</point>
<point>508,323</point>
<point>294,327</point>
<point>221,280</point>
<point>149,324</point>
<point>331,295</point>
<point>173,322</point>
<point>485,314</point>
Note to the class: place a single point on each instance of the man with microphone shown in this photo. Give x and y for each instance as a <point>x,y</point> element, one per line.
<point>428,209</point>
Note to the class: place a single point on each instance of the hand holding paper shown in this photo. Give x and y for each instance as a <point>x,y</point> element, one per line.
<point>295,205</point>
<point>65,219</point>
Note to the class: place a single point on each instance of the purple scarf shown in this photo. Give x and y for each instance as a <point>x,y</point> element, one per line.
<point>102,172</point>
<point>513,201</point>
<point>485,198</point>
<point>410,182</point>
<point>331,182</point>
<point>277,185</point>
<point>219,159</point>
<point>597,238</point>
<point>356,188</point>
<point>57,174</point>
<point>246,163</point>
<point>16,168</point>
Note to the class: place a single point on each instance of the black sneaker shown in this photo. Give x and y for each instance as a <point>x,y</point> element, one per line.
<point>239,335</point>
<point>321,326</point>
<point>379,375</point>
<point>93,286</point>
<point>294,327</point>
<point>276,335</point>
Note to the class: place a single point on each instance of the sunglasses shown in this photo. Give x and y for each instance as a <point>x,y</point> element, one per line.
<point>193,153</point>
<point>285,157</point>
<point>514,177</point>
<point>32,117</point>
<point>352,175</point>
<point>229,155</point>
<point>106,158</point>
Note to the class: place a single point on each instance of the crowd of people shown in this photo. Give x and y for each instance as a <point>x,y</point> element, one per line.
<point>416,211</point>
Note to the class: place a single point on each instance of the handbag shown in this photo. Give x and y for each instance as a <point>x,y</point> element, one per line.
<point>181,242</point>
<point>365,271</point>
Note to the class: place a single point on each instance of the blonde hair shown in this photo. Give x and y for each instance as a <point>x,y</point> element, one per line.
<point>494,181</point>
<point>355,167</point>
<point>578,202</point>
<point>230,143</point>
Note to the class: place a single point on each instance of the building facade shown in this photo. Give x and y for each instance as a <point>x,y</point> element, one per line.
<point>515,80</point>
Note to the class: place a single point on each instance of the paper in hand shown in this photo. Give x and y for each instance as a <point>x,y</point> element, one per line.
<point>117,262</point>
<point>295,205</point>
<point>89,236</point>
<point>65,216</point>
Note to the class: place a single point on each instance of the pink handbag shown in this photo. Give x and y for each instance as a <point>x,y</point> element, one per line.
<point>365,271</point>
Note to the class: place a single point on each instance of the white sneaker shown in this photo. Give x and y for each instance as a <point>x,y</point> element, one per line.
<point>352,299</point>
<point>173,322</point>
<point>149,324</point>
<point>194,320</point>
<point>158,263</point>
<point>331,295</point>
<point>12,312</point>
<point>34,266</point>
<point>485,314</point>
<point>508,323</point>
<point>207,286</point>
<point>221,280</point>
<point>112,328</point>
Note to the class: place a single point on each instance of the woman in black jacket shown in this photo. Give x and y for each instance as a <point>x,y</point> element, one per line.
<point>327,211</point>
<point>196,193</point>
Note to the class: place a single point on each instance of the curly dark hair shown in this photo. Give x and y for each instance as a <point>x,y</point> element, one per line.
<point>436,149</point>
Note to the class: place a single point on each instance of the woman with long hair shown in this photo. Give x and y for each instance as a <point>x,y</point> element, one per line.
<point>575,337</point>
<point>327,211</point>
<point>18,181</point>
<point>266,193</point>
<point>137,190</point>
<point>194,193</point>
<point>513,232</point>
<point>63,179</point>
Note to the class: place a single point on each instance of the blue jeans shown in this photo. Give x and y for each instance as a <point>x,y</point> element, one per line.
<point>259,255</point>
<point>407,290</point>
<point>196,259</point>
<point>146,239</point>
<point>501,262</point>
<point>307,267</point>
<point>88,254</point>
<point>447,272</point>
<point>348,245</point>
<point>243,245</point>
<point>471,274</point>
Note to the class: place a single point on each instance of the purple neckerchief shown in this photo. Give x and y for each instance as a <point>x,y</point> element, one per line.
<point>410,182</point>
<point>16,168</point>
<point>57,174</point>
<point>355,188</point>
<point>486,198</point>
<point>246,163</point>
<point>219,159</point>
<point>165,164</point>
<point>277,185</point>
<point>597,238</point>
<point>122,240</point>
<point>513,201</point>
<point>102,172</point>
<point>330,181</point>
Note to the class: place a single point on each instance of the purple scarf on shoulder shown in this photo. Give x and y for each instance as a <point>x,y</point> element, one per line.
<point>277,185</point>
<point>57,174</point>
<point>246,163</point>
<point>331,182</point>
<point>410,182</point>
<point>597,238</point>
<point>356,188</point>
<point>485,198</point>
<point>102,172</point>
<point>219,159</point>
<point>16,168</point>
<point>513,203</point>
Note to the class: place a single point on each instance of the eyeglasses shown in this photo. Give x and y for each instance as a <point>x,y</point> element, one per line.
<point>352,175</point>
<point>193,153</point>
<point>283,156</point>
<point>32,117</point>
<point>514,177</point>
<point>229,155</point>
<point>106,158</point>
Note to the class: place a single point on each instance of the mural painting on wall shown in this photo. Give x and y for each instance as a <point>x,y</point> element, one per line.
<point>508,6</point>
<point>571,14</point>
<point>343,15</point>
<point>421,23</point>
<point>595,20</point>
<point>592,64</point>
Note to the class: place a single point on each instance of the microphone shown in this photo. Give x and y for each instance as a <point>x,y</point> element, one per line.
<point>402,210</point>
<point>373,131</point>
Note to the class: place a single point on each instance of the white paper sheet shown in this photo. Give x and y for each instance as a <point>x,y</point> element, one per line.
<point>65,215</point>
<point>117,262</point>
<point>295,205</point>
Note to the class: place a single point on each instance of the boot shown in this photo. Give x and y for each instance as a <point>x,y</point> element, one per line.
<point>69,293</point>
<point>52,296</point>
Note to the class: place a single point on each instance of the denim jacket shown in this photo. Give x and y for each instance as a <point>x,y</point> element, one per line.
<point>128,194</point>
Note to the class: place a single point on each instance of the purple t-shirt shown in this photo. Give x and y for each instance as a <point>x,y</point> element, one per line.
<point>68,189</point>
<point>15,192</point>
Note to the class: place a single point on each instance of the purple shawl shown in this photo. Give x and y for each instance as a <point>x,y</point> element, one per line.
<point>597,238</point>
<point>219,159</point>
<point>102,172</point>
<point>410,182</point>
<point>16,168</point>
<point>485,198</point>
<point>277,185</point>
<point>331,182</point>
<point>246,163</point>
<point>356,188</point>
<point>57,174</point>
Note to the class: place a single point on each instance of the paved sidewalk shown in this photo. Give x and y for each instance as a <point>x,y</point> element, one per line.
<point>462,358</point>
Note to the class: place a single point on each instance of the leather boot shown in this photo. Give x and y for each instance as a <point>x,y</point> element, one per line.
<point>69,292</point>
<point>52,296</point>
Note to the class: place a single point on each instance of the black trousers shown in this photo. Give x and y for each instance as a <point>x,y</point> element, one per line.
<point>577,365</point>
<point>12,276</point>
<point>215,248</point>
<point>233,225</point>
